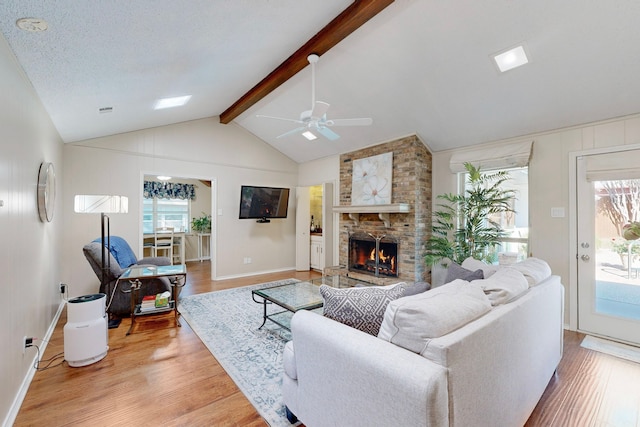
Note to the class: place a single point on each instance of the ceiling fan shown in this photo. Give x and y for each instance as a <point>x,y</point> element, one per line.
<point>315,120</point>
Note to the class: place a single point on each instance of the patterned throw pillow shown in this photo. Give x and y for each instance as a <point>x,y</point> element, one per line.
<point>361,308</point>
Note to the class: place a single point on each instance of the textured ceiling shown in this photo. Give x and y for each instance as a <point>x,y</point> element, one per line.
<point>420,66</point>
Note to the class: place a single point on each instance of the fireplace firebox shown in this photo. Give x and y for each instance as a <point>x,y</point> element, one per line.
<point>375,255</point>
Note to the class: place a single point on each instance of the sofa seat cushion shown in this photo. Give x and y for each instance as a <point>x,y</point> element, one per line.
<point>503,286</point>
<point>361,308</point>
<point>411,322</point>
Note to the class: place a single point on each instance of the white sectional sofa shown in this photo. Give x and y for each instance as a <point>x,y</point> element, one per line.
<point>490,372</point>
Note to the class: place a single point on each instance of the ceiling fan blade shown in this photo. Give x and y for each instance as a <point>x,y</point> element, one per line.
<point>279,118</point>
<point>328,133</point>
<point>292,132</point>
<point>320,109</point>
<point>350,122</point>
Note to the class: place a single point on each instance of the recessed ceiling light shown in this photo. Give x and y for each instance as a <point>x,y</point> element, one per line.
<point>309,135</point>
<point>176,101</point>
<point>164,178</point>
<point>511,58</point>
<point>33,25</point>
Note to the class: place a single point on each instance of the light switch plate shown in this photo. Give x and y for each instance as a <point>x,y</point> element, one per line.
<point>557,212</point>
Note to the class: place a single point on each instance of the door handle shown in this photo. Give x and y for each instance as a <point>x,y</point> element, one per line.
<point>585,257</point>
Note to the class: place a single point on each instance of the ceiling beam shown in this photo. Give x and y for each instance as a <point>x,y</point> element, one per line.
<point>337,30</point>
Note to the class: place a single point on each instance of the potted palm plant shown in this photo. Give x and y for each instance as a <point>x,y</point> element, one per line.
<point>463,224</point>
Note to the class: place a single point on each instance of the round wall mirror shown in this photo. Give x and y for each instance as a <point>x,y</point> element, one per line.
<point>46,191</point>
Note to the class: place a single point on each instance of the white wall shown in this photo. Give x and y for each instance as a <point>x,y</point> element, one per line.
<point>202,149</point>
<point>30,256</point>
<point>549,183</point>
<point>319,171</point>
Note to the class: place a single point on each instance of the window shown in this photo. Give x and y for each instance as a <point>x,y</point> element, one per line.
<point>515,247</point>
<point>165,213</point>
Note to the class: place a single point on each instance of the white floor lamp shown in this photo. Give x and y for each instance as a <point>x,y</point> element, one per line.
<point>103,205</point>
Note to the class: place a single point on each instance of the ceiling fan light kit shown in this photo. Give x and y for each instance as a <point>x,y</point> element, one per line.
<point>316,118</point>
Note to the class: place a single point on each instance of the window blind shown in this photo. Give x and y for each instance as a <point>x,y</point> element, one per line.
<point>501,157</point>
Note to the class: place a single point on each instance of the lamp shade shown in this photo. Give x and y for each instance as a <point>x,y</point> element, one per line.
<point>84,203</point>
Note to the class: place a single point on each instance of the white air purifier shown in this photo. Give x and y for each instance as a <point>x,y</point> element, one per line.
<point>86,333</point>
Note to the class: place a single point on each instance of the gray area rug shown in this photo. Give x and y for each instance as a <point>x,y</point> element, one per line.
<point>227,323</point>
<point>612,348</point>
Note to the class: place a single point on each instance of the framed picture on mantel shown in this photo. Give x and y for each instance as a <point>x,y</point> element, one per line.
<point>371,184</point>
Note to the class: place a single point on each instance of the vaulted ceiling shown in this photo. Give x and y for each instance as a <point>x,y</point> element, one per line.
<point>417,66</point>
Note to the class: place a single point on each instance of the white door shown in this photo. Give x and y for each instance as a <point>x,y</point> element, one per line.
<point>303,238</point>
<point>608,196</point>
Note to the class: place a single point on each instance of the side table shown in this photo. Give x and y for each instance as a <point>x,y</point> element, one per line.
<point>201,237</point>
<point>135,274</point>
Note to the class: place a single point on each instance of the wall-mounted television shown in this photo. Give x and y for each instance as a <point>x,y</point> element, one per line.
<point>263,202</point>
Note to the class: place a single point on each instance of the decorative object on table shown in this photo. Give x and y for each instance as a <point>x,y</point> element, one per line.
<point>46,191</point>
<point>463,226</point>
<point>162,300</point>
<point>371,182</point>
<point>148,303</point>
<point>201,224</point>
<point>227,323</point>
<point>153,302</point>
<point>103,205</point>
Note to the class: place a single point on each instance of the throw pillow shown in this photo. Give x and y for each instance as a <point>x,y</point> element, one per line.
<point>455,271</point>
<point>411,322</point>
<point>360,308</point>
<point>474,264</point>
<point>503,286</point>
<point>417,288</point>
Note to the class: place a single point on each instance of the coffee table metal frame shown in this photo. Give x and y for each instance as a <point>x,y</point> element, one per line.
<point>298,296</point>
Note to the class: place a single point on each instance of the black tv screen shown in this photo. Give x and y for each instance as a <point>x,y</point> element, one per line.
<point>263,202</point>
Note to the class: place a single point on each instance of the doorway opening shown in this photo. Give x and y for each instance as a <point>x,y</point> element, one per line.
<point>179,203</point>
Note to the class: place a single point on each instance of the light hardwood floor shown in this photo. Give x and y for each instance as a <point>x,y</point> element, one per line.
<point>163,375</point>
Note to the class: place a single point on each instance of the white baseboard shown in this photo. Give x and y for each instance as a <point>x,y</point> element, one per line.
<point>255,273</point>
<point>26,382</point>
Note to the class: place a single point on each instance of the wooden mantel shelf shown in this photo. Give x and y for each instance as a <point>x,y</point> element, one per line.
<point>383,211</point>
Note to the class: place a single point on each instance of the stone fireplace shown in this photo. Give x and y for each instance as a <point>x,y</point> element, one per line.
<point>403,223</point>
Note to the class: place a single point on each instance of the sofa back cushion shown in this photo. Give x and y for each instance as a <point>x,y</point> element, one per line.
<point>411,322</point>
<point>503,286</point>
<point>534,270</point>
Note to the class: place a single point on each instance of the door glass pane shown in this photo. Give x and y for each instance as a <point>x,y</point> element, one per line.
<point>617,290</point>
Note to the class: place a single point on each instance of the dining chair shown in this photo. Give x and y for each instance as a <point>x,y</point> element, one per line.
<point>163,241</point>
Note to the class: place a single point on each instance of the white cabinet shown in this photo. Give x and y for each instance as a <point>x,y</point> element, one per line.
<point>316,258</point>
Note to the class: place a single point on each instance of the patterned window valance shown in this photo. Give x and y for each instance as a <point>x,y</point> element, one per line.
<point>168,190</point>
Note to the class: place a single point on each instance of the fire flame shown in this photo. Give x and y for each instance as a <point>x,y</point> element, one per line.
<point>386,259</point>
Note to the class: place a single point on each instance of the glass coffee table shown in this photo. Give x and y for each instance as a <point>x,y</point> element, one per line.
<point>298,296</point>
